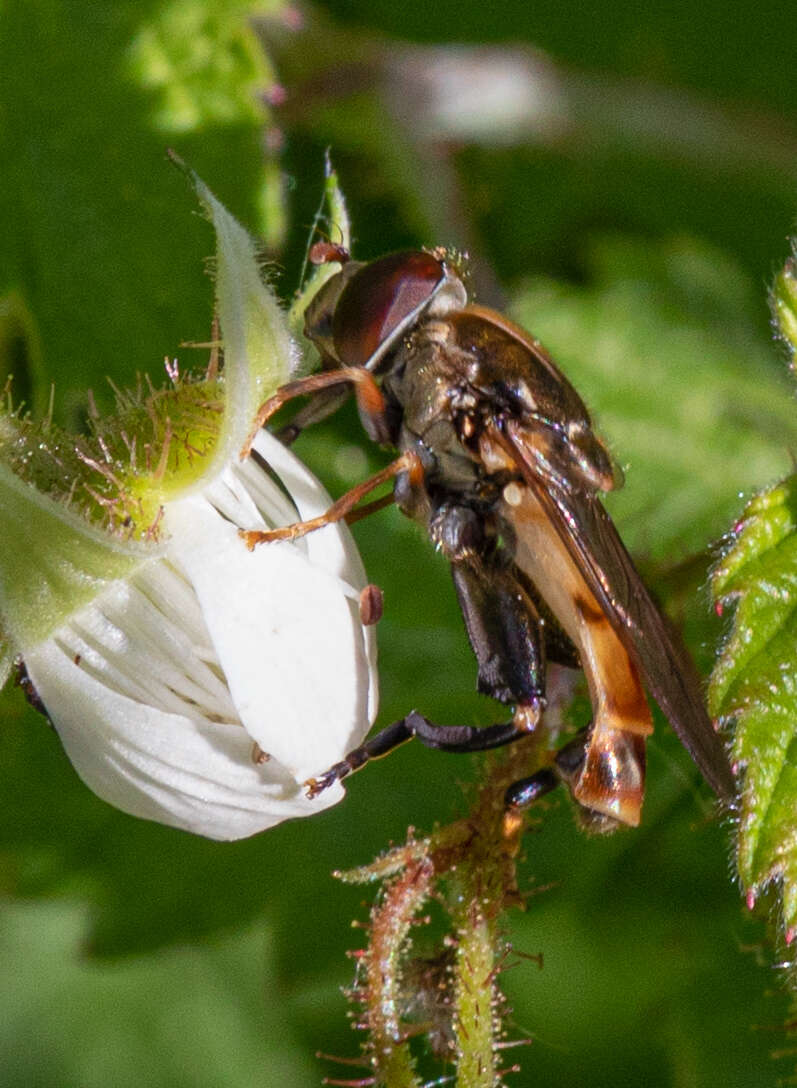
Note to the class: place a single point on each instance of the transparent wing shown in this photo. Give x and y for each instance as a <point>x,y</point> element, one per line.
<point>592,540</point>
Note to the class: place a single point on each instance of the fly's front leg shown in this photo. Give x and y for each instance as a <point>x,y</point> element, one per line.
<point>343,508</point>
<point>370,402</point>
<point>324,403</point>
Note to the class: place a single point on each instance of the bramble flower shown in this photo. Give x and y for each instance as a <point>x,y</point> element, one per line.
<point>191,681</point>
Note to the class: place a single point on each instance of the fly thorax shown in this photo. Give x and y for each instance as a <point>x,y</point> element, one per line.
<point>425,388</point>
<point>455,469</point>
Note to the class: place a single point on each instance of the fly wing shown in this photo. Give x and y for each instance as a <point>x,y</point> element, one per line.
<point>592,540</point>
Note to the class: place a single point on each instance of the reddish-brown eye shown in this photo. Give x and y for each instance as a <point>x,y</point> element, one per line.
<point>378,302</point>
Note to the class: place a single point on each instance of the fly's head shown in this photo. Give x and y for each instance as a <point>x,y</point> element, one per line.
<point>471,365</point>
<point>361,314</point>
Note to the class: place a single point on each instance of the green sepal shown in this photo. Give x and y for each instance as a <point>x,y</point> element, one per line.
<point>333,218</point>
<point>53,563</point>
<point>259,355</point>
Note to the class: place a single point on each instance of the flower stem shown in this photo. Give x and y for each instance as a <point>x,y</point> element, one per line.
<point>474,999</point>
<point>442,1004</point>
<point>391,920</point>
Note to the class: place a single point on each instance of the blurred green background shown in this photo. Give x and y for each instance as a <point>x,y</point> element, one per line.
<point>625,179</point>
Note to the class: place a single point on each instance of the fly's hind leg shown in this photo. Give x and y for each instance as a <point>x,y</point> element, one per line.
<point>603,766</point>
<point>501,619</point>
<point>501,625</point>
<point>446,738</point>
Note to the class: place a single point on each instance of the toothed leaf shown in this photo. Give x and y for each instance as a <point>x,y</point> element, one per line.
<point>755,683</point>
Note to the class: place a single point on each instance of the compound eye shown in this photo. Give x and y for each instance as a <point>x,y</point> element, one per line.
<point>380,302</point>
<point>319,314</point>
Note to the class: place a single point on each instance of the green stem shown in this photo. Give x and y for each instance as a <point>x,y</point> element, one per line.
<point>474,997</point>
<point>450,998</point>
<point>390,926</point>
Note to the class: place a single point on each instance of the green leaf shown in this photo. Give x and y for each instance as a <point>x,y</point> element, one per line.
<point>665,350</point>
<point>202,67</point>
<point>201,63</point>
<point>754,683</point>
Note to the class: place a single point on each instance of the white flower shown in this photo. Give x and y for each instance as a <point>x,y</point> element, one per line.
<point>192,681</point>
<point>162,685</point>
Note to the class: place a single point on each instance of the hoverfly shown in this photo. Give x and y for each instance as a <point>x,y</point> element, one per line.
<point>499,461</point>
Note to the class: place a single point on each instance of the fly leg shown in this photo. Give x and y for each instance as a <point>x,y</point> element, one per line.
<point>503,628</point>
<point>446,738</point>
<point>501,619</point>
<point>626,754</point>
<point>322,404</point>
<point>567,763</point>
<point>370,402</point>
<point>504,632</point>
<point>342,508</point>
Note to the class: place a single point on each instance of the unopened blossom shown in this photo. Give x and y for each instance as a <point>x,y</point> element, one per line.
<point>191,681</point>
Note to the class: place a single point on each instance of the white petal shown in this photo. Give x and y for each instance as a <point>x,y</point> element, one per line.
<point>288,638</point>
<point>333,547</point>
<point>193,774</point>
